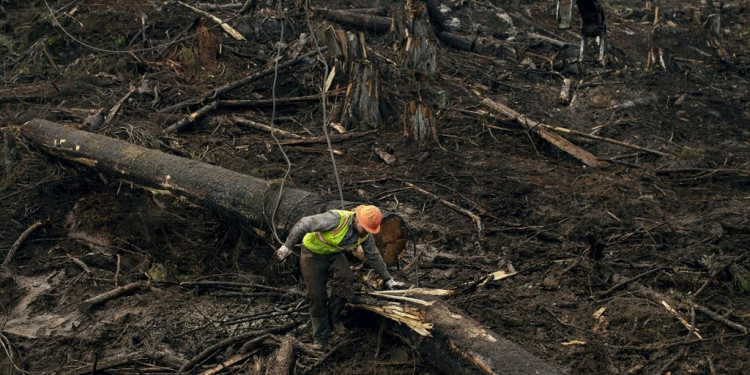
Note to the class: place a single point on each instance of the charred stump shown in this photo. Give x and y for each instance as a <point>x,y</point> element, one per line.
<point>419,48</point>
<point>418,55</point>
<point>362,102</point>
<point>419,122</point>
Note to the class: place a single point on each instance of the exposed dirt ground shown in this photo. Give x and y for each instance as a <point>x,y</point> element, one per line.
<point>572,232</point>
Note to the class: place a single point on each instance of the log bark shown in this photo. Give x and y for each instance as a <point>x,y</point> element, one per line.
<point>458,344</point>
<point>365,21</point>
<point>283,359</point>
<point>229,193</point>
<point>455,343</point>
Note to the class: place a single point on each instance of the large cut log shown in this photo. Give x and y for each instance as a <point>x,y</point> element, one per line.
<point>227,192</point>
<point>450,340</point>
<point>452,333</point>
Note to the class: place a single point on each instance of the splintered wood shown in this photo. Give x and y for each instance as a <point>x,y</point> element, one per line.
<point>402,313</point>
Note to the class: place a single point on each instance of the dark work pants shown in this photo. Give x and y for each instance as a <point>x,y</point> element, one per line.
<point>315,270</point>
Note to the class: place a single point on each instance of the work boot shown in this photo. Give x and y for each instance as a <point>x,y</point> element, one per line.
<point>339,329</point>
<point>335,305</point>
<point>319,345</point>
<point>320,331</point>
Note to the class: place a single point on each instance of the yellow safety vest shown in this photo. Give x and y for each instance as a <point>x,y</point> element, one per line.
<point>328,242</point>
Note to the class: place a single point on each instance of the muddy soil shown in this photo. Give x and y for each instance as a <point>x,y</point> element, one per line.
<point>597,250</point>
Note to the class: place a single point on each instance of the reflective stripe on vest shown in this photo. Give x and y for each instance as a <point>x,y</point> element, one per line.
<point>327,242</point>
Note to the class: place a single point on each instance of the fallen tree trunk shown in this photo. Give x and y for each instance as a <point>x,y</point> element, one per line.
<point>450,340</point>
<point>230,193</point>
<point>456,343</point>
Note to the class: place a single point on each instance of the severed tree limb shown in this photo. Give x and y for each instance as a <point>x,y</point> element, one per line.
<point>278,101</point>
<point>692,329</point>
<point>239,83</point>
<point>114,293</point>
<point>703,172</point>
<point>322,139</point>
<point>605,139</point>
<point>259,126</point>
<point>227,363</point>
<point>283,358</point>
<point>236,285</point>
<point>229,29</point>
<point>659,297</point>
<point>16,245</point>
<point>81,264</point>
<point>664,369</point>
<point>367,21</point>
<point>193,117</point>
<point>255,336</point>
<point>113,111</point>
<point>537,127</point>
<point>108,363</point>
<point>713,315</point>
<point>12,353</point>
<point>474,217</point>
<point>628,281</point>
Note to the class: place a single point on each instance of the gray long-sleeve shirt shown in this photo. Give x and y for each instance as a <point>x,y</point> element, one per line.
<point>329,221</point>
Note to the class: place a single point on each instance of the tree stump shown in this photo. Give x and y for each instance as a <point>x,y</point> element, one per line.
<point>419,121</point>
<point>418,44</point>
<point>361,105</point>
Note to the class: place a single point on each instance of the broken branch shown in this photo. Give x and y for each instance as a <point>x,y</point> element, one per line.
<point>112,112</point>
<point>114,293</point>
<point>367,21</point>
<point>256,336</point>
<point>539,128</point>
<point>19,241</point>
<point>604,139</point>
<point>239,83</point>
<point>229,29</point>
<point>259,126</point>
<point>322,139</point>
<point>473,216</point>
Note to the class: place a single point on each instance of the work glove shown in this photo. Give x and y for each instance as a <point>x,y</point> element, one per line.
<point>283,252</point>
<point>393,284</point>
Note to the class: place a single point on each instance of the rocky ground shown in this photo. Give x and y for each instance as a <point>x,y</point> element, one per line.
<point>601,252</point>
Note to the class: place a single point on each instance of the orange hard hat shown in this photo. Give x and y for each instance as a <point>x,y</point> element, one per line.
<point>370,218</point>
